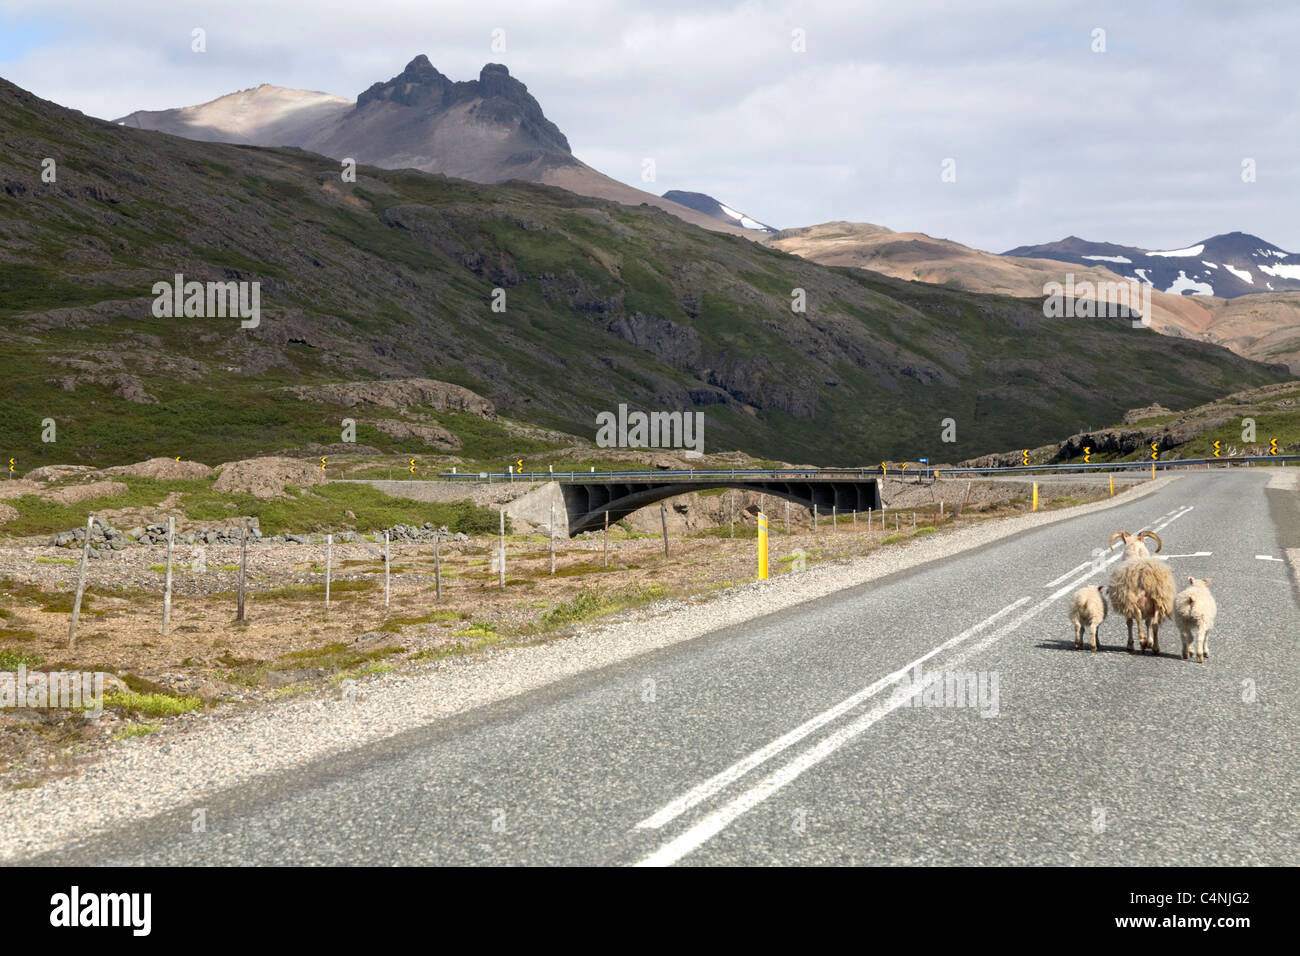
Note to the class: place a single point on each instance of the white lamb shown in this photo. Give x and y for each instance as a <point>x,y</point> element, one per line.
<point>1087,609</point>
<point>1194,611</point>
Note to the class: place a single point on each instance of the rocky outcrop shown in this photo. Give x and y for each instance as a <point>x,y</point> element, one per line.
<point>1150,411</point>
<point>73,494</point>
<point>267,477</point>
<point>169,468</point>
<point>495,97</point>
<point>433,435</point>
<point>406,393</point>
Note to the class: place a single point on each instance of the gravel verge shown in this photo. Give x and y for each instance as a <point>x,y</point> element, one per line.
<point>196,756</point>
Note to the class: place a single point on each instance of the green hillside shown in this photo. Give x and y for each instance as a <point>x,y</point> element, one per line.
<point>393,277</point>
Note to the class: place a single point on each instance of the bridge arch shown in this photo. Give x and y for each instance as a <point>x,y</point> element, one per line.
<point>587,502</point>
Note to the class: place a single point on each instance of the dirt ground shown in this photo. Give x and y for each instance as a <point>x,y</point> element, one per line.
<point>290,643</point>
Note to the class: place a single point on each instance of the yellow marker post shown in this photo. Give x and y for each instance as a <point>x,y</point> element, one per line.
<point>1035,496</point>
<point>1153,469</point>
<point>762,546</point>
<point>1112,486</point>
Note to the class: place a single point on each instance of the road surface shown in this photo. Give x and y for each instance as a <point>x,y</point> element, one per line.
<point>787,740</point>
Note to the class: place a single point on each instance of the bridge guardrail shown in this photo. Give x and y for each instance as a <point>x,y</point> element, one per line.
<point>832,474</point>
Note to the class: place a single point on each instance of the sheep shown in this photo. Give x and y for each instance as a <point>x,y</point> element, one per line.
<point>1194,611</point>
<point>1133,546</point>
<point>1087,609</point>
<point>1142,588</point>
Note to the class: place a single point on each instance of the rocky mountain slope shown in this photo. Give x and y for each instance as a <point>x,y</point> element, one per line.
<point>1273,410</point>
<point>395,277</point>
<point>706,204</point>
<point>1263,327</point>
<point>488,130</point>
<point>1226,266</point>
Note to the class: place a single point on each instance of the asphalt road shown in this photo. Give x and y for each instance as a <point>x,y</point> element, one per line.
<point>786,741</point>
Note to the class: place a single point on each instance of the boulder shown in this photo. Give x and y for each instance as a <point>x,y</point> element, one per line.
<point>267,477</point>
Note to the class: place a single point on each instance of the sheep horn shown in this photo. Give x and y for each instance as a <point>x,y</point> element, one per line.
<point>1151,534</point>
<point>1117,534</point>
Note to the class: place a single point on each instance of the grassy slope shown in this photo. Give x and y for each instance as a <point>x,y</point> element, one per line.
<point>322,508</point>
<point>393,278</point>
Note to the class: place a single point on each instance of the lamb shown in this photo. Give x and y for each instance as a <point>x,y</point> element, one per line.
<point>1087,609</point>
<point>1194,611</point>
<point>1142,588</point>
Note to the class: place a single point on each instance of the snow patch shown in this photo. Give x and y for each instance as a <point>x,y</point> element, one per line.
<point>741,218</point>
<point>1212,265</point>
<point>1110,259</point>
<point>1182,284</point>
<point>1245,275</point>
<point>1191,251</point>
<point>1282,271</point>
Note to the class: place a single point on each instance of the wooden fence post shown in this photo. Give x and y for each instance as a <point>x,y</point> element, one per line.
<point>81,584</point>
<point>437,565</point>
<point>663,522</point>
<point>167,585</point>
<point>243,571</point>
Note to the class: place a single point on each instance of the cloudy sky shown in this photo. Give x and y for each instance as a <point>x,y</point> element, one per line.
<point>1142,144</point>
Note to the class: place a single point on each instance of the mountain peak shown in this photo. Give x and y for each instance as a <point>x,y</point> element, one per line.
<point>502,99</point>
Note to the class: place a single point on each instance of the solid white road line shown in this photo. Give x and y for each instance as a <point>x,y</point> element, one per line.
<point>737,770</point>
<point>715,822</point>
<point>1074,570</point>
<point>1266,557</point>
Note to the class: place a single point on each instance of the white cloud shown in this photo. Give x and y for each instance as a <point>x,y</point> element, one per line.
<point>1140,145</point>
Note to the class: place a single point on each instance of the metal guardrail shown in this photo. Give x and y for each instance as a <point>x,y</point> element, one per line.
<point>840,474</point>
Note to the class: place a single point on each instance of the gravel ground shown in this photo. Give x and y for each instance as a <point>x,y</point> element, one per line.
<point>196,756</point>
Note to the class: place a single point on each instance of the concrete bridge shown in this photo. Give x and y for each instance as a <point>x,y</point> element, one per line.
<point>583,501</point>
